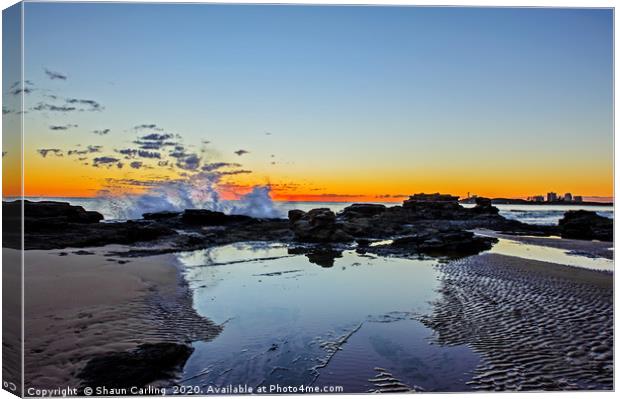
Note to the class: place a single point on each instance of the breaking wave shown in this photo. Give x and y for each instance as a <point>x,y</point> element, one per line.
<point>198,192</point>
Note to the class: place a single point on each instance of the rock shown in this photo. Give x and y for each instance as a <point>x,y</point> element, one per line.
<point>206,217</point>
<point>484,206</point>
<point>145,364</point>
<point>295,214</point>
<point>160,215</point>
<point>318,225</point>
<point>444,243</point>
<point>363,210</point>
<point>434,206</point>
<point>436,198</point>
<point>46,214</point>
<point>586,225</point>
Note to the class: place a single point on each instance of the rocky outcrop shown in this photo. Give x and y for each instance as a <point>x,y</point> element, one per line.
<point>586,225</point>
<point>317,225</point>
<point>50,224</point>
<point>137,368</point>
<point>164,215</point>
<point>363,210</point>
<point>447,242</point>
<point>47,214</point>
<point>484,206</point>
<point>205,217</point>
<point>434,206</point>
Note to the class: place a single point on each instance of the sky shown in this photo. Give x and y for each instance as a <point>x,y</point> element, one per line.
<point>320,102</point>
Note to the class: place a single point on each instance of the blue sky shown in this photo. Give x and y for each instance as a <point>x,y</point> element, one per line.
<point>385,91</point>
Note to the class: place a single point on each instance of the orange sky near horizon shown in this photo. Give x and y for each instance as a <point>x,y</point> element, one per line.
<point>64,177</point>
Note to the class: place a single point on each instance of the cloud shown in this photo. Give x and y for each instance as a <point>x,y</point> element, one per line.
<point>131,153</point>
<point>102,131</point>
<point>52,107</point>
<point>19,90</point>
<point>148,126</point>
<point>94,148</point>
<point>45,151</point>
<point>104,161</point>
<point>241,152</point>
<point>62,127</point>
<point>148,154</point>
<point>189,162</point>
<point>386,196</point>
<point>55,75</point>
<point>5,110</point>
<point>94,105</point>
<point>128,152</point>
<point>136,164</point>
<point>154,141</point>
<point>234,172</point>
<point>210,167</point>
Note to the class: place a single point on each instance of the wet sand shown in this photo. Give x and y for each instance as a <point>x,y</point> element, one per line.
<point>80,306</point>
<point>593,249</point>
<point>537,325</point>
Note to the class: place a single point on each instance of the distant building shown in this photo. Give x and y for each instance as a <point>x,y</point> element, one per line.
<point>538,198</point>
<point>568,197</point>
<point>552,197</point>
<point>577,198</point>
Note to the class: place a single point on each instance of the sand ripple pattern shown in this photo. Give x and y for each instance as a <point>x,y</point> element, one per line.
<point>538,326</point>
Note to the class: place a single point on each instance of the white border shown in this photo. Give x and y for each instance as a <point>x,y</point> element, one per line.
<point>475,3</point>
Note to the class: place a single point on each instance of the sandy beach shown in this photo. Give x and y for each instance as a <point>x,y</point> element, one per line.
<point>536,325</point>
<point>80,306</point>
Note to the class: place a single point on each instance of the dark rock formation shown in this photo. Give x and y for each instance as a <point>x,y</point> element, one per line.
<point>47,214</point>
<point>205,217</point>
<point>363,210</point>
<point>484,206</point>
<point>447,242</point>
<point>49,225</point>
<point>160,215</point>
<point>136,368</point>
<point>434,206</point>
<point>318,225</point>
<point>586,225</point>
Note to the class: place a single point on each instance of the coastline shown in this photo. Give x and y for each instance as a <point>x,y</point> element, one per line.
<point>538,325</point>
<point>80,307</point>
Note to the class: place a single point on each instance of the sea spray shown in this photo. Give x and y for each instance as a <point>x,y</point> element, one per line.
<point>199,191</point>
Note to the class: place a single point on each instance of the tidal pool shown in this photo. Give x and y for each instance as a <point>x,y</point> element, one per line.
<point>288,321</point>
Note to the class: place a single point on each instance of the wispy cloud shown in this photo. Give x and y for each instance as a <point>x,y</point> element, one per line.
<point>148,126</point>
<point>102,132</point>
<point>63,127</point>
<point>44,152</point>
<point>210,167</point>
<point>55,75</point>
<point>104,161</point>
<point>92,104</point>
<point>51,107</point>
<point>189,162</point>
<point>241,152</point>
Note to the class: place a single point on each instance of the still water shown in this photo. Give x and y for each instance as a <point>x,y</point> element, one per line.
<point>288,321</point>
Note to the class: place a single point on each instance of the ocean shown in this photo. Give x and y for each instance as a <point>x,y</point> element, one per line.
<point>533,214</point>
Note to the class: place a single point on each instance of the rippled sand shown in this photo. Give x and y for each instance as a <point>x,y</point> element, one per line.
<point>80,306</point>
<point>537,325</point>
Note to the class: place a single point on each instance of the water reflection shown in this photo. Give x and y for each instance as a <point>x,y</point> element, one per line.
<point>549,254</point>
<point>287,321</point>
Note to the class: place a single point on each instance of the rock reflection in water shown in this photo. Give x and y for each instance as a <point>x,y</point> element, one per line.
<point>288,321</point>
